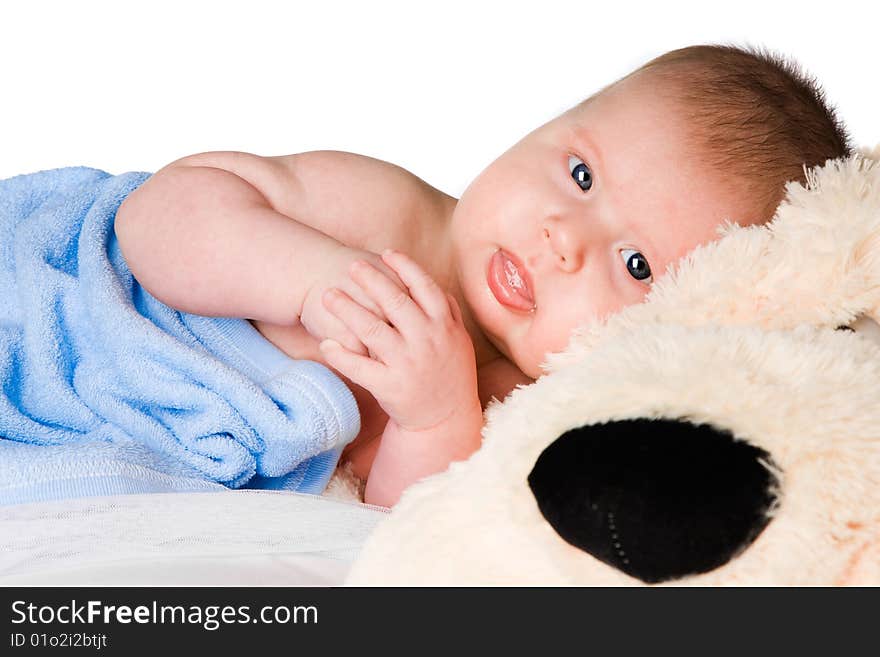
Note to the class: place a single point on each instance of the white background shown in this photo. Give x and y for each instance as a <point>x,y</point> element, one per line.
<point>440,87</point>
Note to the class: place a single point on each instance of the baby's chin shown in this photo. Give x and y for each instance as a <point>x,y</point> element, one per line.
<point>526,366</point>
<point>501,345</point>
<point>531,370</point>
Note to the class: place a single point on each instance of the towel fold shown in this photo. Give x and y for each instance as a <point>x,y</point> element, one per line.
<point>89,356</point>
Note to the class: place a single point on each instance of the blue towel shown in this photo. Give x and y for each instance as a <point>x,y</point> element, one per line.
<point>94,364</point>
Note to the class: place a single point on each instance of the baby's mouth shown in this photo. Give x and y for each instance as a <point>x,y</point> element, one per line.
<point>508,280</point>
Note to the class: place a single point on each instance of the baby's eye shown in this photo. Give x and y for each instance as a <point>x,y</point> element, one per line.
<point>636,264</point>
<point>580,172</point>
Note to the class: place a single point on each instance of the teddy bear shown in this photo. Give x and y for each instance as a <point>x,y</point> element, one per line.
<point>725,431</point>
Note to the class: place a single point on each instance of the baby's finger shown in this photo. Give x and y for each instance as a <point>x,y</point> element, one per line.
<point>395,304</point>
<point>344,336</point>
<point>330,326</point>
<point>454,308</point>
<point>423,289</point>
<point>364,371</point>
<point>374,333</point>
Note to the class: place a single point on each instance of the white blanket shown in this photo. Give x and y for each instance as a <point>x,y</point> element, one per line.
<point>241,537</point>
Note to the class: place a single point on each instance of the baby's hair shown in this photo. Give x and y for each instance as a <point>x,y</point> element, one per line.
<point>755,115</point>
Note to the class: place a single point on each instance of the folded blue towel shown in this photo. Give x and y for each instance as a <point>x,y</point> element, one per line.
<point>90,357</point>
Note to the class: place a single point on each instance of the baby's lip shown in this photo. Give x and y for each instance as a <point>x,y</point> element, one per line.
<point>510,281</point>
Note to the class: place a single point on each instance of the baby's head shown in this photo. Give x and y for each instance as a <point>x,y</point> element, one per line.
<point>581,216</point>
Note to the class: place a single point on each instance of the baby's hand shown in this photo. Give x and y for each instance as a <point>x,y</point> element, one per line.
<point>322,324</point>
<point>423,367</point>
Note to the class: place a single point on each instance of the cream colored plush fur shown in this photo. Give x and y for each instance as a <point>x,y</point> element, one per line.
<point>741,336</point>
<point>345,485</point>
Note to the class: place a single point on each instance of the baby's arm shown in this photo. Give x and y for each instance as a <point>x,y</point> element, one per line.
<point>423,374</point>
<point>229,233</point>
<point>206,241</point>
<point>405,456</point>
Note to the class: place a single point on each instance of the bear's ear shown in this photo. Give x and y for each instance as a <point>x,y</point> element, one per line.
<point>656,499</point>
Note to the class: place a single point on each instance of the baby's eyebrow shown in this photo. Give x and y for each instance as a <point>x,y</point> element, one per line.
<point>652,258</point>
<point>642,241</point>
<point>581,135</point>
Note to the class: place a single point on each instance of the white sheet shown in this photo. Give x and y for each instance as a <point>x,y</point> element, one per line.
<point>184,539</point>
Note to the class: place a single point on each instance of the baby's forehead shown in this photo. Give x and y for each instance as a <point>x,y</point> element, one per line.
<point>656,186</point>
<point>641,84</point>
<point>631,144</point>
<point>631,107</point>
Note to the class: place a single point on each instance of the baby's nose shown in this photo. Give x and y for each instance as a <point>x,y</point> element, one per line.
<point>565,246</point>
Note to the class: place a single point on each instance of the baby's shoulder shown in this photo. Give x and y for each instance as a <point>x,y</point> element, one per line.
<point>362,201</point>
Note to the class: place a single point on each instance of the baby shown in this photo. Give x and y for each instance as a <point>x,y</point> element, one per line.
<point>573,223</point>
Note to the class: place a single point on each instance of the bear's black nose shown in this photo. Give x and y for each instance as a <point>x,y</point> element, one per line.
<point>657,499</point>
